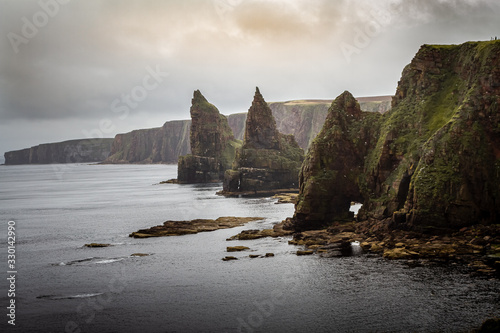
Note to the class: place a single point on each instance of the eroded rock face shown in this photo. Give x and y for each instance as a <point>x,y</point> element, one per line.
<point>268,159</point>
<point>329,178</point>
<point>435,163</point>
<point>213,146</point>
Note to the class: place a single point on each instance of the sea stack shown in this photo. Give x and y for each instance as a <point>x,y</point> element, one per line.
<point>431,164</point>
<point>212,145</point>
<point>268,161</point>
<point>329,178</point>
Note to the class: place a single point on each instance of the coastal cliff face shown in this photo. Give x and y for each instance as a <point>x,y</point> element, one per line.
<point>73,151</point>
<point>155,145</point>
<point>268,159</point>
<point>212,141</point>
<point>435,163</point>
<point>457,179</point>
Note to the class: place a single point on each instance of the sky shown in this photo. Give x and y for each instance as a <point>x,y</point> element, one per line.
<point>73,69</point>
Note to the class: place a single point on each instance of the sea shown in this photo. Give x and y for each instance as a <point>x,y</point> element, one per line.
<point>181,283</point>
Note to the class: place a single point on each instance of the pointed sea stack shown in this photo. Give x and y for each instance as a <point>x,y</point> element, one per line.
<point>329,176</point>
<point>213,145</point>
<point>260,129</point>
<point>268,161</point>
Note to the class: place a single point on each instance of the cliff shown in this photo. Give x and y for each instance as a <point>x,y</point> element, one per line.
<point>213,147</point>
<point>433,162</point>
<point>73,151</point>
<point>268,160</point>
<point>156,145</point>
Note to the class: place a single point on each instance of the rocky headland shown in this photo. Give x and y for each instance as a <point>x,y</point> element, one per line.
<point>213,146</point>
<point>72,151</point>
<point>427,171</point>
<point>268,160</point>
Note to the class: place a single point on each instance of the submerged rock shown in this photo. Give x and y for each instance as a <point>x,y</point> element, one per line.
<point>268,160</point>
<point>237,248</point>
<point>284,198</point>
<point>489,326</point>
<point>97,245</point>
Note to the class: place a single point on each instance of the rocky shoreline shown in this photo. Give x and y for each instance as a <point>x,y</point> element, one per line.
<point>476,247</point>
<point>258,193</point>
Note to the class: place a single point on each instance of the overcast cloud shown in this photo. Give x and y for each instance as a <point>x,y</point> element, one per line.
<point>135,64</point>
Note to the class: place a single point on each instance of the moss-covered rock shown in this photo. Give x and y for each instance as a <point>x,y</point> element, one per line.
<point>453,173</point>
<point>329,179</point>
<point>432,163</point>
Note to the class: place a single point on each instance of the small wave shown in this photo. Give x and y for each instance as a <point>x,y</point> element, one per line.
<point>108,261</point>
<point>60,297</point>
<point>89,261</point>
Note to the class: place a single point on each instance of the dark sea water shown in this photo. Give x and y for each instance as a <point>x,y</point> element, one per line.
<point>184,286</point>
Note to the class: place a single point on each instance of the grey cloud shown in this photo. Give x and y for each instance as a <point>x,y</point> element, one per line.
<point>93,52</point>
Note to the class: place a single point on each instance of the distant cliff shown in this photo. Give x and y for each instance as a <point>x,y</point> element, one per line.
<point>305,118</point>
<point>433,162</point>
<point>73,151</point>
<point>155,145</point>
